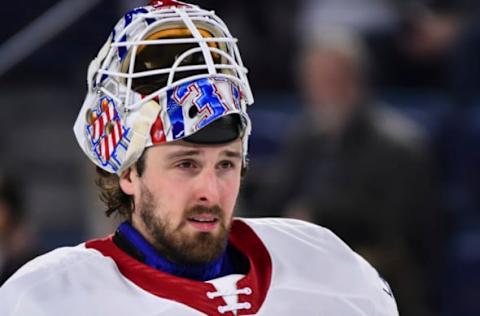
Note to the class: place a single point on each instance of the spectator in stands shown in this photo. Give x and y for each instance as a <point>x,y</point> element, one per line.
<point>16,244</point>
<point>355,166</point>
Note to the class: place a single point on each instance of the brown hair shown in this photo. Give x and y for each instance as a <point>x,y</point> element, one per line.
<point>111,193</point>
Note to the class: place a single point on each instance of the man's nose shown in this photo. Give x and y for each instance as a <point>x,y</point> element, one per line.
<point>207,188</point>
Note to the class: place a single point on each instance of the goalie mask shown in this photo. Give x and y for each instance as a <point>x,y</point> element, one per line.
<point>168,71</point>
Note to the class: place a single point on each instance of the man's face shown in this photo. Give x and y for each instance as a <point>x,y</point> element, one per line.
<point>185,198</point>
<point>331,79</point>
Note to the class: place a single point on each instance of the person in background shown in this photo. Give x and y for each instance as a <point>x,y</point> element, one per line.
<point>356,166</point>
<point>16,244</point>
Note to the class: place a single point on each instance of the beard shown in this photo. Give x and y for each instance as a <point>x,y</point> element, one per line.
<point>180,246</point>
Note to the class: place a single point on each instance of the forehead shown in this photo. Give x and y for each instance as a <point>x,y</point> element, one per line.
<point>181,148</point>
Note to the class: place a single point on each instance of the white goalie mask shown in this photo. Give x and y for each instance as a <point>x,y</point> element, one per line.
<point>167,70</point>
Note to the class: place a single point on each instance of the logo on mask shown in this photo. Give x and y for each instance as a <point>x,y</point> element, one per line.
<point>194,105</point>
<point>106,133</point>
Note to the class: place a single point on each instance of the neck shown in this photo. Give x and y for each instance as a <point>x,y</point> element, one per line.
<point>132,242</point>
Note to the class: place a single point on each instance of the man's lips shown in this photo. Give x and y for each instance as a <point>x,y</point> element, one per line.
<point>203,222</point>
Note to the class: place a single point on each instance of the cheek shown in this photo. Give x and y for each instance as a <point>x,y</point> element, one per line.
<point>173,198</point>
<point>229,194</point>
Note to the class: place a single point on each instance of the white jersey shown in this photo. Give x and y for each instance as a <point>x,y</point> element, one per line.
<point>296,268</point>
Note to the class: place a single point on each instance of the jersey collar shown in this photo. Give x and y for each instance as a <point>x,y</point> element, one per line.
<point>150,256</point>
<point>194,293</point>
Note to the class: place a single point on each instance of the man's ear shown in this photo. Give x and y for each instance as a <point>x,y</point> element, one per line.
<point>127,180</point>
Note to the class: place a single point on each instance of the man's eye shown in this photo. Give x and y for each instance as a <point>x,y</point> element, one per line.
<point>226,164</point>
<point>185,165</point>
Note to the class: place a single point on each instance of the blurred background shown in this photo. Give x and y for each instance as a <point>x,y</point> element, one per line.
<point>366,121</point>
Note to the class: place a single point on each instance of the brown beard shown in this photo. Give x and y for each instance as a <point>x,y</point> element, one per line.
<point>178,247</point>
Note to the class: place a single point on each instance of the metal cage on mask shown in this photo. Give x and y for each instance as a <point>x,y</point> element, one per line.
<point>165,73</point>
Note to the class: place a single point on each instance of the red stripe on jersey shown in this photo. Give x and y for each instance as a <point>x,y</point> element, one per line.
<point>191,292</point>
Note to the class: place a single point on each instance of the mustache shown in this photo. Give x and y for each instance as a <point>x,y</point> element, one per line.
<point>202,209</point>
